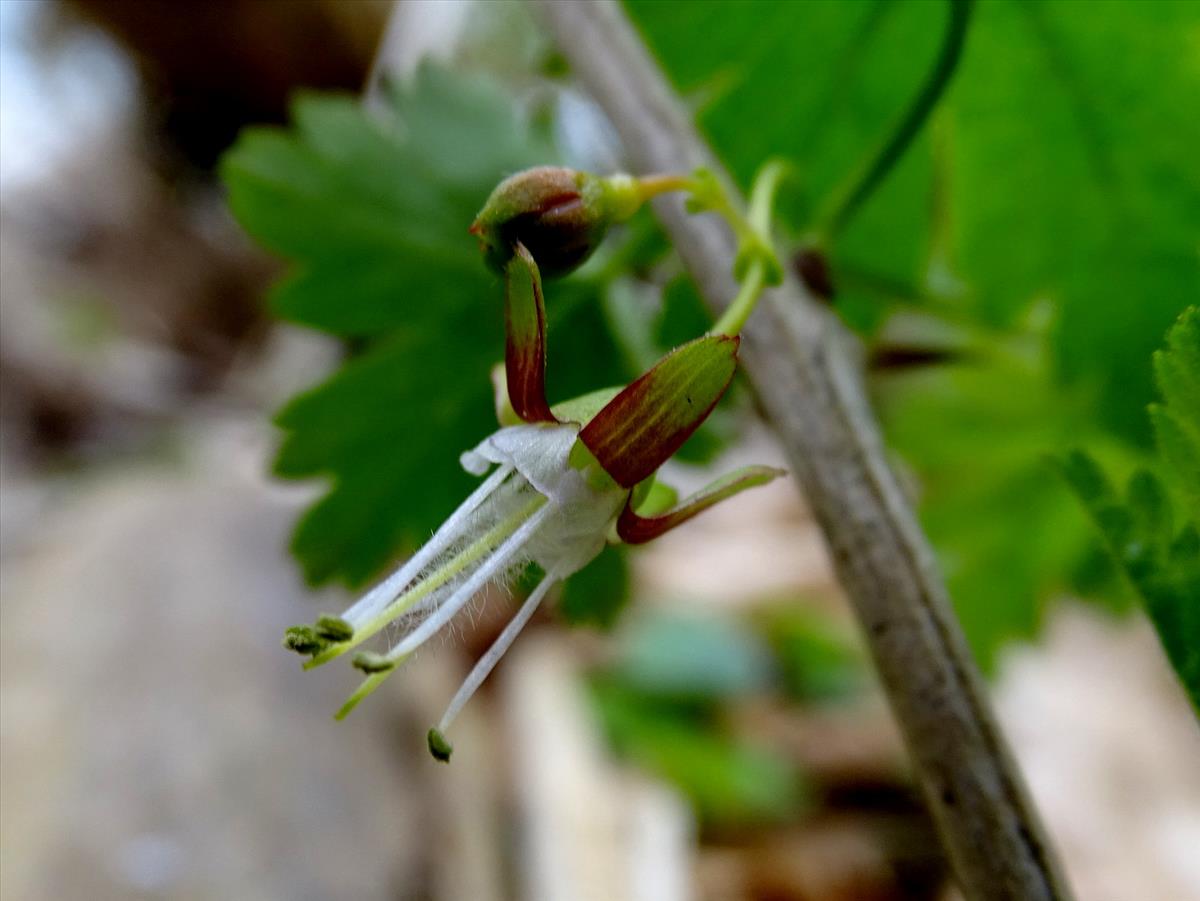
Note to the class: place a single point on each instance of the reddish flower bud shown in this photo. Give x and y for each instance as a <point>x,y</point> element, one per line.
<point>559,214</point>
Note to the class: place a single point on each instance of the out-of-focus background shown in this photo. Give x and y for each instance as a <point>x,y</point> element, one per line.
<point>695,720</point>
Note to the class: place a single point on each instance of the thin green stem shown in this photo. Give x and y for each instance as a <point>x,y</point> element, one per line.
<point>762,197</point>
<point>757,264</point>
<point>909,126</point>
<point>653,185</point>
<point>739,310</point>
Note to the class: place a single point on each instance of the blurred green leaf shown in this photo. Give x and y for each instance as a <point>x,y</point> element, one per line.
<point>693,657</point>
<point>816,660</point>
<point>1162,565</point>
<point>1074,177</point>
<point>1177,419</point>
<point>1007,531</point>
<point>1058,172</point>
<point>729,781</point>
<point>820,82</point>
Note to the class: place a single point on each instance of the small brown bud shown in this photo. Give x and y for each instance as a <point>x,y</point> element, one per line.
<point>559,214</point>
<point>813,268</point>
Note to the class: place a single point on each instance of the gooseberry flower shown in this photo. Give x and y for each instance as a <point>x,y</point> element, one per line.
<point>561,481</point>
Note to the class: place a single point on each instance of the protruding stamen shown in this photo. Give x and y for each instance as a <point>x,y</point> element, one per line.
<point>489,660</point>
<point>491,568</point>
<point>382,594</point>
<point>439,747</point>
<point>303,640</point>
<point>378,608</point>
<point>369,662</point>
<point>367,686</point>
<point>334,628</point>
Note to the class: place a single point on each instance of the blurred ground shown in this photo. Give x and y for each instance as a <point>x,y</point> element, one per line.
<point>158,744</point>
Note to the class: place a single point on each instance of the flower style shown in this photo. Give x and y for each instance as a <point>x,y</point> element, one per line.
<point>564,479</point>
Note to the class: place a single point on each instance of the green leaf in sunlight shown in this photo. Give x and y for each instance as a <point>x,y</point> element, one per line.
<point>1073,177</point>
<point>818,82</point>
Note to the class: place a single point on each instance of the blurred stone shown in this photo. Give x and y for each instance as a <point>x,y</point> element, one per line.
<point>156,740</point>
<point>1111,751</point>
<point>590,832</point>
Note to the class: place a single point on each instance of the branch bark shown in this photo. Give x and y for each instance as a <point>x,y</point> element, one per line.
<point>806,370</point>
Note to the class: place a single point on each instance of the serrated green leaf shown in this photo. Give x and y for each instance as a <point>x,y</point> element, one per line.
<point>1177,420</point>
<point>1162,566</point>
<point>386,427</point>
<point>1087,478</point>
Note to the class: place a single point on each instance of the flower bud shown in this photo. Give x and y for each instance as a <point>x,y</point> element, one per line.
<point>559,214</point>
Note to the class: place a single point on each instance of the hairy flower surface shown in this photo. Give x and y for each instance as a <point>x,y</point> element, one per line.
<point>559,485</point>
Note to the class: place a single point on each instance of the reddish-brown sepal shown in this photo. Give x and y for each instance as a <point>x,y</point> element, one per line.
<point>647,422</point>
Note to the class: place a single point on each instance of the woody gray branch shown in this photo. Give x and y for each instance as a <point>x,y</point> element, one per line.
<point>805,369</point>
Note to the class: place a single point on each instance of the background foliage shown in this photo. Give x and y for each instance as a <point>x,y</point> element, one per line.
<point>1042,229</point>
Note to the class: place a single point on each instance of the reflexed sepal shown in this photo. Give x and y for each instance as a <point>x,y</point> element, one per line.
<point>525,343</point>
<point>640,428</point>
<point>634,528</point>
